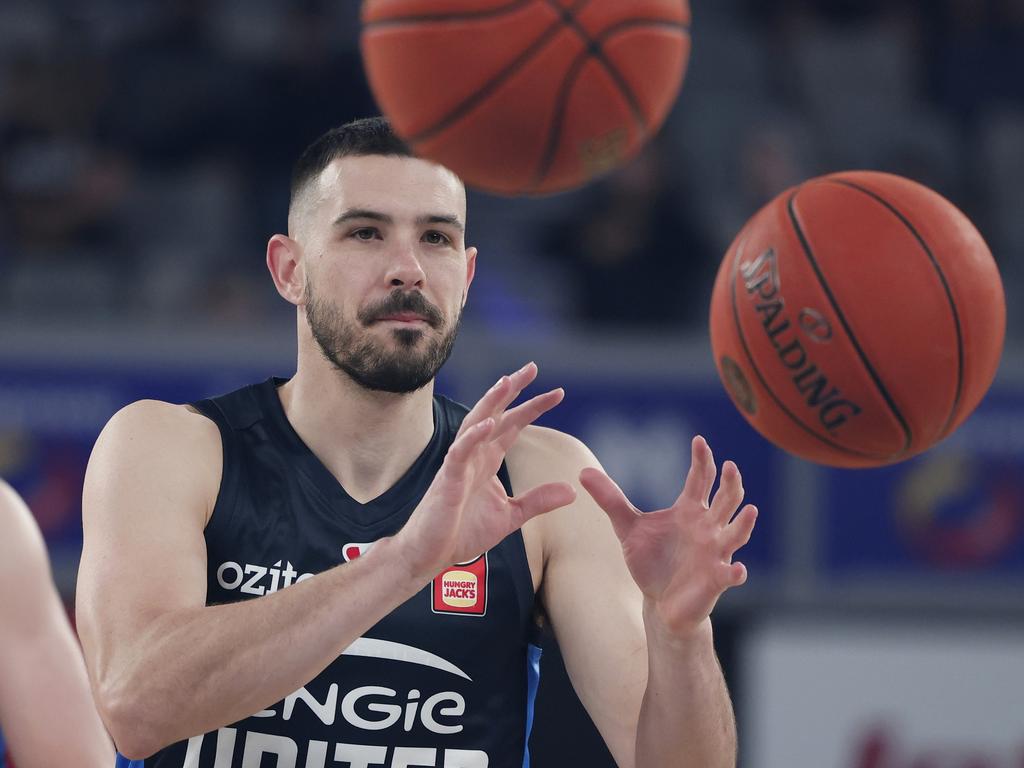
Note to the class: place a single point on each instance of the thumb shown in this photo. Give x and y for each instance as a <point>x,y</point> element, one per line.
<point>544,498</point>
<point>611,499</point>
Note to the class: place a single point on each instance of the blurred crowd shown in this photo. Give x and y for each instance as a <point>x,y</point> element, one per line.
<point>145,150</point>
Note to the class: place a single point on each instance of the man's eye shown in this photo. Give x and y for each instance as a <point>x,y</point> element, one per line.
<point>436,238</point>
<point>365,233</point>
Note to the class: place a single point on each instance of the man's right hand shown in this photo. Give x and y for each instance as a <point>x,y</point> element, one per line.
<point>466,511</point>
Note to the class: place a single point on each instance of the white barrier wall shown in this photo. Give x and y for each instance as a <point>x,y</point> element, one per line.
<point>883,694</point>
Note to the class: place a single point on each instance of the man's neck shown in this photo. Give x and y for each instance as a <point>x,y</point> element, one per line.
<point>367,440</point>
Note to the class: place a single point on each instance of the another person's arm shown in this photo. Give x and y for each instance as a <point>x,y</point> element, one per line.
<point>47,712</point>
<point>166,667</point>
<point>629,597</point>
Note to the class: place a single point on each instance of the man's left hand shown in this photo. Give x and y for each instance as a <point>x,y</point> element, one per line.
<point>681,557</point>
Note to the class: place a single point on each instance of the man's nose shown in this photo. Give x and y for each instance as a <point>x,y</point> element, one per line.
<point>404,268</point>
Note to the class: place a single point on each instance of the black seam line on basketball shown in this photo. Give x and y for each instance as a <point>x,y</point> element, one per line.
<point>544,167</point>
<point>907,435</point>
<point>484,92</point>
<point>557,118</point>
<point>561,101</point>
<point>614,72</point>
<point>515,5</point>
<point>945,286</point>
<point>598,52</point>
<point>593,47</point>
<point>760,377</point>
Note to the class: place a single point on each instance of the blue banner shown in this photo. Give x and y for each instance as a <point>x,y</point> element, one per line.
<point>50,418</point>
<point>958,508</point>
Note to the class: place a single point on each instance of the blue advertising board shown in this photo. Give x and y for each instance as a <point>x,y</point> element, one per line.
<point>957,509</point>
<point>50,418</point>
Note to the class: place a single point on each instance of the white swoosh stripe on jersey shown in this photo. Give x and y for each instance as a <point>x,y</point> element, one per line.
<point>385,649</point>
<point>192,752</point>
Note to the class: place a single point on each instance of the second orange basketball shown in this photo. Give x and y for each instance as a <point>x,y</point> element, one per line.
<point>858,319</point>
<point>526,96</point>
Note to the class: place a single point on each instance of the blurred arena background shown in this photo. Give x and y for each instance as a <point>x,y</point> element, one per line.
<point>145,150</point>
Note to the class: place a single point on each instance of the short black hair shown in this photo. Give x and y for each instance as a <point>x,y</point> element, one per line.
<point>366,136</point>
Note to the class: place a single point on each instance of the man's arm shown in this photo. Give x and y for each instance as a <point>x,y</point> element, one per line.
<point>653,688</point>
<point>46,710</point>
<point>166,667</point>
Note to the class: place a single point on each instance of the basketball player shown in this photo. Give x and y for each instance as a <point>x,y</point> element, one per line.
<point>46,710</point>
<point>342,569</point>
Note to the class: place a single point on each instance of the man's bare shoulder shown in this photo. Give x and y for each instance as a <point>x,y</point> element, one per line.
<point>541,452</point>
<point>153,424</point>
<point>543,455</point>
<point>22,550</point>
<point>12,506</point>
<point>152,444</point>
<point>164,420</point>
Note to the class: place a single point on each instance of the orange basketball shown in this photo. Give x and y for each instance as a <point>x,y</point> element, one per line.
<point>526,96</point>
<point>857,319</point>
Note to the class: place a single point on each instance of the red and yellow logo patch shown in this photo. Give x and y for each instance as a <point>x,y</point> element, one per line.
<point>462,588</point>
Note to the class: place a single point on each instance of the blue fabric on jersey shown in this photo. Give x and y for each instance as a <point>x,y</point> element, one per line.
<point>124,762</point>
<point>533,655</point>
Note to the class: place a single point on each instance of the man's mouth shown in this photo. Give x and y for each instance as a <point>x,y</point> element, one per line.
<point>404,317</point>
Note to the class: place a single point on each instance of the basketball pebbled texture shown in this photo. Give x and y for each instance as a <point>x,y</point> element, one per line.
<point>857,319</point>
<point>526,96</point>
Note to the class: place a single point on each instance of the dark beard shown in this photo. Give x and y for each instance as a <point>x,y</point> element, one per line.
<point>365,361</point>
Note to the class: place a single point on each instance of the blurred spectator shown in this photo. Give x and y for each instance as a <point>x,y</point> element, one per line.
<point>976,55</point>
<point>639,259</point>
<point>175,96</point>
<point>59,191</point>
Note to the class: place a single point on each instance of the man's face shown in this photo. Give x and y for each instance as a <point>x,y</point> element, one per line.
<point>386,268</point>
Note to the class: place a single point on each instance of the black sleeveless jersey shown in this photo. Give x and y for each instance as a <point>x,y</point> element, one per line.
<point>447,679</point>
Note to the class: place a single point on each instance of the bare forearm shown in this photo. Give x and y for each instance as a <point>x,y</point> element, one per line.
<point>686,719</point>
<point>198,669</point>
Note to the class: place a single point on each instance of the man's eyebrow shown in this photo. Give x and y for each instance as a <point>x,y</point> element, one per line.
<point>366,213</point>
<point>437,218</point>
<point>362,213</point>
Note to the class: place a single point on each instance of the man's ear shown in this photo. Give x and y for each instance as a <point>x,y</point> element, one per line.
<point>284,260</point>
<point>470,271</point>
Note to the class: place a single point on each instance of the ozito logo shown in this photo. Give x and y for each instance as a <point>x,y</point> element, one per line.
<point>258,579</point>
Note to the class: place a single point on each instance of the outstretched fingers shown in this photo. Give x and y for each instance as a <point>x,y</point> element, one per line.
<point>514,421</point>
<point>611,499</point>
<point>732,574</point>
<point>500,395</point>
<point>701,476</point>
<point>738,532</point>
<point>729,494</point>
<point>462,449</point>
<point>519,381</point>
